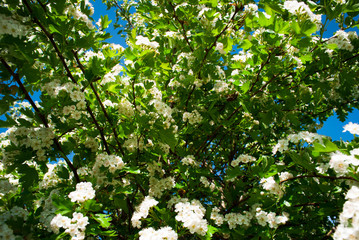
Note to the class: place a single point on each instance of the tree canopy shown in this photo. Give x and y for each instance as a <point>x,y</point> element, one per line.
<point>202,127</point>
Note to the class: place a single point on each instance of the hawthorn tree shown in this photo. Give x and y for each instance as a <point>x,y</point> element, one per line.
<point>203,127</point>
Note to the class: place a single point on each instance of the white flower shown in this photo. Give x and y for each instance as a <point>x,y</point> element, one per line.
<point>353,193</point>
<point>142,210</point>
<point>145,41</point>
<point>191,214</point>
<point>353,128</point>
<point>338,163</point>
<point>84,191</point>
<point>220,48</point>
<point>162,233</point>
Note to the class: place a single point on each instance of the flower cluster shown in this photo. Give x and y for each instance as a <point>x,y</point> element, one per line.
<point>133,143</point>
<point>49,209</point>
<point>75,11</point>
<point>39,139</point>
<point>349,218</point>
<point>12,27</point>
<point>306,136</point>
<point>234,219</point>
<point>251,8</point>
<point>243,158</point>
<point>272,186</point>
<point>84,192</point>
<point>111,76</point>
<point>54,88</point>
<point>14,213</point>
<point>6,232</point>
<point>270,218</point>
<point>140,40</point>
<point>112,162</point>
<point>301,9</point>
<point>51,179</point>
<point>165,233</point>
<point>158,186</point>
<point>216,216</point>
<point>189,160</point>
<point>207,183</point>
<point>191,214</point>
<point>126,108</point>
<point>91,143</point>
<point>75,227</point>
<point>6,187</point>
<point>221,87</point>
<point>142,211</point>
<point>340,162</point>
<point>193,118</point>
<point>353,128</point>
<point>220,48</point>
<point>342,40</point>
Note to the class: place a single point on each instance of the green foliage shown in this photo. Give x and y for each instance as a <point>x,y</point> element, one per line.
<point>212,104</point>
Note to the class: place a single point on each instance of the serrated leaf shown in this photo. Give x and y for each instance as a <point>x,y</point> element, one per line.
<point>103,219</point>
<point>167,136</point>
<point>63,206</point>
<point>29,176</point>
<point>327,146</point>
<point>211,230</point>
<point>246,44</point>
<point>302,161</point>
<point>92,205</point>
<point>120,202</point>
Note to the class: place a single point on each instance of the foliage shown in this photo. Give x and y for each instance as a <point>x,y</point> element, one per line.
<point>203,127</point>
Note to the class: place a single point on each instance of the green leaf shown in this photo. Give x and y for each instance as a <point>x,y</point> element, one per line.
<point>61,236</point>
<point>263,21</point>
<point>105,22</point>
<point>63,206</point>
<point>246,44</point>
<point>302,160</point>
<point>211,230</point>
<point>308,27</point>
<point>165,66</point>
<point>29,176</point>
<point>120,202</point>
<point>9,122</point>
<point>63,172</point>
<point>167,136</point>
<point>92,206</point>
<point>245,86</point>
<point>103,219</point>
<point>133,170</point>
<point>326,146</point>
<point>53,29</point>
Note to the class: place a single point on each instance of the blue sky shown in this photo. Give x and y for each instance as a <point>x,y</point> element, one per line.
<point>332,127</point>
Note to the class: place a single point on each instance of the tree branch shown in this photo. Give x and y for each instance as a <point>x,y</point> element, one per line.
<point>319,176</point>
<point>182,25</point>
<point>40,115</point>
<point>100,102</point>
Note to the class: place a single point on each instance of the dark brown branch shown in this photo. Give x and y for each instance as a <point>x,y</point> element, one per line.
<point>182,25</point>
<point>99,128</point>
<point>69,74</point>
<point>319,176</point>
<point>190,94</point>
<point>123,13</point>
<point>51,39</point>
<point>306,204</point>
<point>100,102</point>
<point>260,70</point>
<point>40,115</point>
<point>207,50</point>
